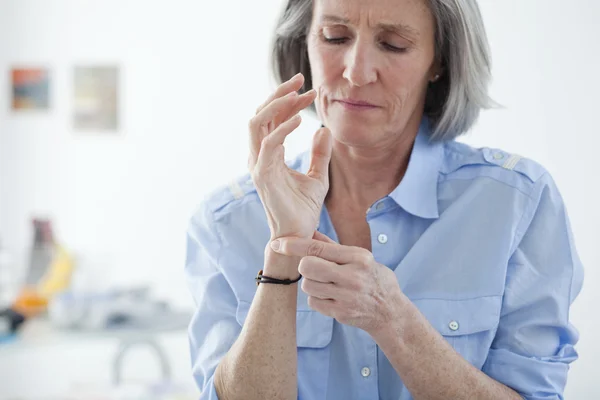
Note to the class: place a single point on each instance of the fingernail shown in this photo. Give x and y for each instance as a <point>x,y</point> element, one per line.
<point>297,76</point>
<point>275,244</point>
<point>292,94</point>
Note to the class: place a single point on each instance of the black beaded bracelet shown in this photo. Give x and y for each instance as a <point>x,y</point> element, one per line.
<point>260,278</point>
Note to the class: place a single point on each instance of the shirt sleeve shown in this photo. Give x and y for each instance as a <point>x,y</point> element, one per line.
<point>534,344</point>
<point>214,328</point>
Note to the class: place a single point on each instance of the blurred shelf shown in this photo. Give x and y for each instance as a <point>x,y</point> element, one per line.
<point>41,332</point>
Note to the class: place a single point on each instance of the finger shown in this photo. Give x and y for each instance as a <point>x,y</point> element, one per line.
<point>326,291</point>
<point>302,247</point>
<point>258,126</point>
<point>277,137</point>
<point>320,270</point>
<point>321,155</point>
<point>293,84</point>
<point>302,101</point>
<point>325,307</point>
<point>280,110</point>
<point>271,147</point>
<point>322,237</point>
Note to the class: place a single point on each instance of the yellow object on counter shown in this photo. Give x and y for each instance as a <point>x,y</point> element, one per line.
<point>33,300</point>
<point>58,277</point>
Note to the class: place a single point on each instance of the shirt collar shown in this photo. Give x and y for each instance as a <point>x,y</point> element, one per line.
<point>417,192</point>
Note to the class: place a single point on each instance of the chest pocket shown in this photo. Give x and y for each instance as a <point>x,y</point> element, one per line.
<point>313,335</point>
<point>468,325</point>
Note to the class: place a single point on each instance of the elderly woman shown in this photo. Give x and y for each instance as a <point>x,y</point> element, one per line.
<point>395,263</point>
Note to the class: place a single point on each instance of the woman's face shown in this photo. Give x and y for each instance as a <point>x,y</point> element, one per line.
<point>371,62</point>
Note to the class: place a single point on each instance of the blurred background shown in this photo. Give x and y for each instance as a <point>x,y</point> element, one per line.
<point>118,116</point>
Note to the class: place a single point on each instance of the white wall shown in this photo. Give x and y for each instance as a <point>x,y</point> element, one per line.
<point>193,73</point>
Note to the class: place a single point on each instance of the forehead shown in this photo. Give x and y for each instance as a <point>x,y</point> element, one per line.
<point>414,13</point>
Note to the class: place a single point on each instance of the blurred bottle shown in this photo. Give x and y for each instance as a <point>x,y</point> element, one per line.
<point>49,273</point>
<point>42,251</point>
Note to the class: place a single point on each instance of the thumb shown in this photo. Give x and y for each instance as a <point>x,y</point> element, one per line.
<point>322,237</point>
<point>321,154</point>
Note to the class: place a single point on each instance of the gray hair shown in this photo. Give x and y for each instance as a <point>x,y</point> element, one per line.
<point>453,102</point>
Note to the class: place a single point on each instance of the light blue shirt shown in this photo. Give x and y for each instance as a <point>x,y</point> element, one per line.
<point>478,239</point>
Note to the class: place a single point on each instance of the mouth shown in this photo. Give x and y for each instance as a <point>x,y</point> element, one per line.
<point>354,104</point>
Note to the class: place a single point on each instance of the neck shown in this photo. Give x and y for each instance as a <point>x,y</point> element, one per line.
<point>361,176</point>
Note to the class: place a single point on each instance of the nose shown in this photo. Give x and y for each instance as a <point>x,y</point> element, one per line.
<point>360,64</point>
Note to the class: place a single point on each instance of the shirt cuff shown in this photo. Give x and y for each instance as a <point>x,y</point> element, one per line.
<point>533,378</point>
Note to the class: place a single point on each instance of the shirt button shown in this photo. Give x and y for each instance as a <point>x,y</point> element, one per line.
<point>498,156</point>
<point>382,238</point>
<point>380,206</point>
<point>453,326</point>
<point>365,372</point>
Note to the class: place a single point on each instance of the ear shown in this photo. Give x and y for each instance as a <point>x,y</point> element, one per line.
<point>436,71</point>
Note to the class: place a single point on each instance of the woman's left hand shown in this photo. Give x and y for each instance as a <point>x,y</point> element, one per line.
<point>345,282</point>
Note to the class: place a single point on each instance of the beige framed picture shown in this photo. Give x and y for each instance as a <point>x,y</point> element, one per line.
<point>96,99</point>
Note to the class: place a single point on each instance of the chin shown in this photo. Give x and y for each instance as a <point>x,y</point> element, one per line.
<point>353,133</point>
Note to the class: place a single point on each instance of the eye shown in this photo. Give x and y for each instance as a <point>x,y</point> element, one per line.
<point>335,40</point>
<point>394,49</point>
<point>386,46</point>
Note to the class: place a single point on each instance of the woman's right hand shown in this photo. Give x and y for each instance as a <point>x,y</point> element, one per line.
<point>292,200</point>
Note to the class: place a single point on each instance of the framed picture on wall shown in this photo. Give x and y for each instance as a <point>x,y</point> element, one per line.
<point>30,89</point>
<point>96,99</point>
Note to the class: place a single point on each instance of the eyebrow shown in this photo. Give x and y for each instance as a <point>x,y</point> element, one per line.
<point>400,28</point>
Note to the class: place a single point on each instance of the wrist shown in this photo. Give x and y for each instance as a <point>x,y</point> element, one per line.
<point>280,266</point>
<point>402,317</point>
<point>294,234</point>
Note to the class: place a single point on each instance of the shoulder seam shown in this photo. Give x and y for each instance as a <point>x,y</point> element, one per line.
<point>511,163</point>
<point>215,228</point>
<point>447,179</point>
<point>529,212</point>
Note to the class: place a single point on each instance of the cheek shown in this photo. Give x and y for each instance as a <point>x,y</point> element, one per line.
<point>404,84</point>
<point>326,66</point>
<point>326,63</point>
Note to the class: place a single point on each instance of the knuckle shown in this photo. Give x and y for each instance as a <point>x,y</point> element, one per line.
<point>252,124</point>
<point>337,252</point>
<point>363,259</point>
<point>266,142</point>
<point>306,285</point>
<point>268,139</point>
<point>315,249</point>
<point>257,124</point>
<point>302,268</point>
<point>305,266</point>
